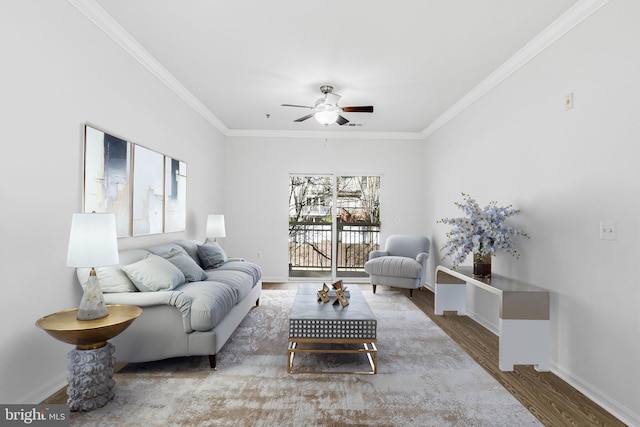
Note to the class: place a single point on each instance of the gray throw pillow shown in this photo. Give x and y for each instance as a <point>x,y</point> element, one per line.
<point>191,270</point>
<point>211,255</point>
<point>154,273</point>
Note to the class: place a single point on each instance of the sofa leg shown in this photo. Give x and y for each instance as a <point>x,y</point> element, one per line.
<point>258,302</point>
<point>374,289</point>
<point>410,293</point>
<point>212,362</point>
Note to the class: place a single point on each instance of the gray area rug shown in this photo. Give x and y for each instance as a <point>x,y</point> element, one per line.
<point>424,379</point>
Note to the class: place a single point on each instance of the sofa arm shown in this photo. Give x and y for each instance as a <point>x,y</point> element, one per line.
<point>422,258</point>
<point>378,254</point>
<point>149,299</point>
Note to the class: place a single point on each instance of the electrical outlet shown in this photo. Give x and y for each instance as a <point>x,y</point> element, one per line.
<point>608,230</point>
<point>568,101</point>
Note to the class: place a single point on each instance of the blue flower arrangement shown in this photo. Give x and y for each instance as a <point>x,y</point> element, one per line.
<point>482,231</point>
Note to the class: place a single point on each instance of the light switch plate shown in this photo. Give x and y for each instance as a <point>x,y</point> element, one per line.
<point>568,101</point>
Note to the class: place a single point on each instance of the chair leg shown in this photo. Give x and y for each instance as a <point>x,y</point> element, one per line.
<point>374,289</point>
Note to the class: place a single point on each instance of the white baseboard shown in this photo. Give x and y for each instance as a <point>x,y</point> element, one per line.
<point>622,413</point>
<point>492,327</point>
<point>44,391</point>
<point>614,408</point>
<point>610,405</point>
<point>473,315</point>
<point>274,279</point>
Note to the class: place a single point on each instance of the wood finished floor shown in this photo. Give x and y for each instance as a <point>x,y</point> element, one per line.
<point>550,399</point>
<point>554,402</point>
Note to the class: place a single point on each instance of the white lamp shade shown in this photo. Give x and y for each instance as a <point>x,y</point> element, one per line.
<point>93,241</point>
<point>215,226</point>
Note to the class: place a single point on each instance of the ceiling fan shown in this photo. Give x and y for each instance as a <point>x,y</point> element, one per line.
<point>327,111</point>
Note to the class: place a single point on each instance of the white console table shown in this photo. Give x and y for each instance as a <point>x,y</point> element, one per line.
<point>524,314</point>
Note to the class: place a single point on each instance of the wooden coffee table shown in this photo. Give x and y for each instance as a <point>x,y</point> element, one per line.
<point>316,327</point>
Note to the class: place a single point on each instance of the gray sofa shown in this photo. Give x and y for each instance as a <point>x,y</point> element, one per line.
<point>193,298</point>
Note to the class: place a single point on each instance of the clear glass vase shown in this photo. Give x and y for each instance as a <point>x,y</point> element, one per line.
<point>482,265</point>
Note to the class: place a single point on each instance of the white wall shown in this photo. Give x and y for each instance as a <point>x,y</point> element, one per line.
<point>257,184</point>
<point>58,72</point>
<point>566,171</point>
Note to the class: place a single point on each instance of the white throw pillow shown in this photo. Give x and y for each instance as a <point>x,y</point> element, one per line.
<point>154,273</point>
<point>111,279</point>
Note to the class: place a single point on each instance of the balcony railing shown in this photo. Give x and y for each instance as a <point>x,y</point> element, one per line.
<point>311,249</point>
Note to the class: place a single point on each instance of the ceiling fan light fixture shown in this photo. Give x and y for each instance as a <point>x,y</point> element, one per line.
<point>327,111</point>
<point>326,117</point>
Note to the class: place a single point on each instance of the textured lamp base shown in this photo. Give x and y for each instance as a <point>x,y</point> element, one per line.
<point>90,378</point>
<point>92,305</point>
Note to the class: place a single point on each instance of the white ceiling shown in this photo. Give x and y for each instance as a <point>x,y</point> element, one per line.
<point>413,60</point>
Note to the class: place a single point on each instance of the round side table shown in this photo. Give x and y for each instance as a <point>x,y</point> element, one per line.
<point>91,362</point>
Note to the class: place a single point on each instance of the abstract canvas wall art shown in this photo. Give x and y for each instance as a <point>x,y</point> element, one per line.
<point>148,191</point>
<point>175,202</point>
<point>107,187</point>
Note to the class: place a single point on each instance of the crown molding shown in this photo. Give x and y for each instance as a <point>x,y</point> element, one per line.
<point>299,134</point>
<point>565,23</point>
<point>561,26</point>
<point>92,11</point>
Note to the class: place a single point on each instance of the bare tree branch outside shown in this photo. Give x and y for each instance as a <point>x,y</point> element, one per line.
<point>311,216</point>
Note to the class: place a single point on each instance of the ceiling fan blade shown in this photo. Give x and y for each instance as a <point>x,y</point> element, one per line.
<point>363,109</point>
<point>342,121</point>
<point>302,119</point>
<point>293,105</point>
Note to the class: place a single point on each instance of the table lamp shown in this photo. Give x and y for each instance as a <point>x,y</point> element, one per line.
<point>92,243</point>
<point>215,226</point>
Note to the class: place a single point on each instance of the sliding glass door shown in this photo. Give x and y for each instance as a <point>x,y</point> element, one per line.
<point>334,222</point>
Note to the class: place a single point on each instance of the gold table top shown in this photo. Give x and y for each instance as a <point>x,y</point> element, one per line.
<point>89,334</point>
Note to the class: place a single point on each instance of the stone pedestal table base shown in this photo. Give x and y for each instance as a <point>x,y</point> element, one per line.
<point>90,378</point>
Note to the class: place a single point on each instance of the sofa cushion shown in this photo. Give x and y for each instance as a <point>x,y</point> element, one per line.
<point>164,248</point>
<point>395,266</point>
<point>191,248</point>
<point>145,300</point>
<point>129,256</point>
<point>211,255</point>
<point>154,273</point>
<point>241,276</point>
<point>210,303</point>
<point>111,279</point>
<point>252,270</point>
<point>191,270</point>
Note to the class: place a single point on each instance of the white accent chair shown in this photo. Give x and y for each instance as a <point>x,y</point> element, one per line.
<point>402,264</point>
